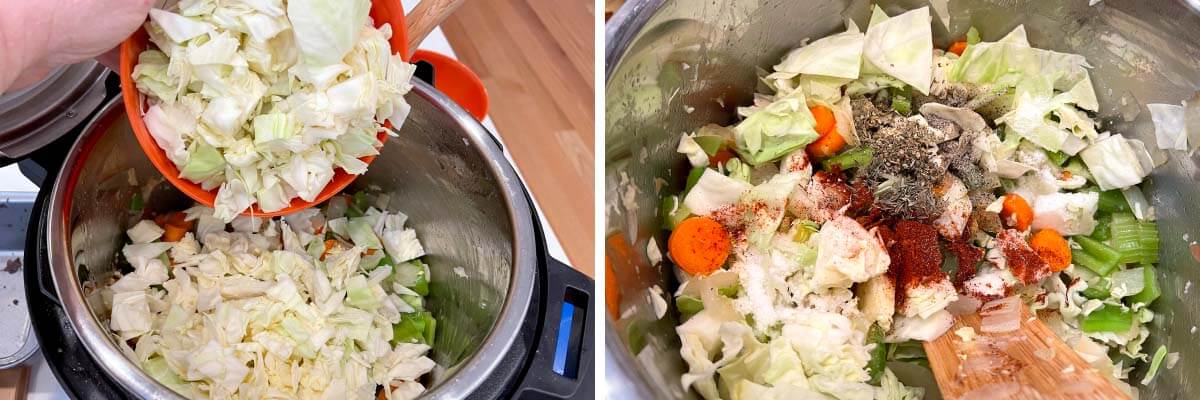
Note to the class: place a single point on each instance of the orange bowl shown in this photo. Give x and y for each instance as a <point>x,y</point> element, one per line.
<point>382,12</point>
<point>457,81</point>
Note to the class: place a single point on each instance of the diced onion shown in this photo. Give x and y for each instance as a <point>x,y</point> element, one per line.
<point>1003,315</point>
<point>964,305</point>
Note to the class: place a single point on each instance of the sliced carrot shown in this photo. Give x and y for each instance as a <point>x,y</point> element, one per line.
<point>699,245</point>
<point>826,146</point>
<point>612,293</point>
<point>1052,248</point>
<point>1015,212</point>
<point>174,233</point>
<point>370,252</point>
<point>175,225</point>
<point>825,122</point>
<point>958,47</point>
<point>329,245</point>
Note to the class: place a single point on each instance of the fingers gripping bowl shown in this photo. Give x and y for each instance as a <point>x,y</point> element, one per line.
<point>675,66</point>
<point>463,200</point>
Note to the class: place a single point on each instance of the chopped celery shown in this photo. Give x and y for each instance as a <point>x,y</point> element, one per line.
<point>1137,241</point>
<point>1099,291</point>
<point>1057,157</point>
<point>973,36</point>
<point>1155,363</point>
<point>673,212</point>
<point>635,336</point>
<point>1108,318</point>
<point>1112,201</point>
<point>854,158</point>
<point>357,206</point>
<point>710,144</point>
<point>1102,232</point>
<point>1095,255</point>
<point>902,100</point>
<point>693,177</point>
<point>1076,167</point>
<point>878,359</point>
<point>730,291</point>
<point>805,231</point>
<point>688,305</point>
<point>1150,291</point>
<point>430,327</point>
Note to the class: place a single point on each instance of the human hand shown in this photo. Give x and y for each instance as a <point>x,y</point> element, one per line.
<point>37,36</point>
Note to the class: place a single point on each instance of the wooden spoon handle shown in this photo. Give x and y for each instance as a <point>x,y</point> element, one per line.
<point>425,16</point>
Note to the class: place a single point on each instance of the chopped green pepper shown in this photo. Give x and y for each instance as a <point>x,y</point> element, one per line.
<point>710,144</point>
<point>693,177</point>
<point>1109,318</point>
<point>854,158</point>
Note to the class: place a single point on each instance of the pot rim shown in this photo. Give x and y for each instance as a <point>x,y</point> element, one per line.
<point>473,371</point>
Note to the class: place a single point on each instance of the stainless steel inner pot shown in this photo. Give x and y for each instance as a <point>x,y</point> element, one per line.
<point>444,171</point>
<point>675,65</point>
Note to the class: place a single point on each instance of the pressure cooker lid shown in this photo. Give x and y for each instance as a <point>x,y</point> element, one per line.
<point>35,116</point>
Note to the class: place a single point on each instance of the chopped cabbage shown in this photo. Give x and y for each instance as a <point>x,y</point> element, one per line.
<point>263,100</point>
<point>713,191</point>
<point>250,314</point>
<point>1170,128</point>
<point>1012,60</point>
<point>837,56</point>
<point>902,47</point>
<point>145,231</point>
<point>776,129</point>
<point>1115,163</point>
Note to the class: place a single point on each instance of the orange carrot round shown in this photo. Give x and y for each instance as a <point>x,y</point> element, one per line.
<point>826,146</point>
<point>825,121</point>
<point>1052,248</point>
<point>958,47</point>
<point>699,245</point>
<point>1016,213</point>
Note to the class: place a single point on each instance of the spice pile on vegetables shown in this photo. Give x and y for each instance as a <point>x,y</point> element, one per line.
<point>324,303</point>
<point>883,186</point>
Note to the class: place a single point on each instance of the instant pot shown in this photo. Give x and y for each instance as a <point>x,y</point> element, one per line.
<point>673,66</point>
<point>518,325</point>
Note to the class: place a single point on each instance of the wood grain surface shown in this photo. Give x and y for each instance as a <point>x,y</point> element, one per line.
<point>536,59</point>
<point>1029,363</point>
<point>14,383</point>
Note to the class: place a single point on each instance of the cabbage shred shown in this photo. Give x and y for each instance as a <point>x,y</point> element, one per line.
<point>263,100</point>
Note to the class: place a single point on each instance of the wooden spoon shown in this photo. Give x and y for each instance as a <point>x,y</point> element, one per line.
<point>424,17</point>
<point>1028,363</point>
